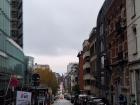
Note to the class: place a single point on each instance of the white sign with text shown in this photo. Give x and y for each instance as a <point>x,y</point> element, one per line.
<point>23,98</point>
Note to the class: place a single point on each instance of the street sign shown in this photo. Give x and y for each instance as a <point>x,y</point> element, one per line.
<point>23,98</point>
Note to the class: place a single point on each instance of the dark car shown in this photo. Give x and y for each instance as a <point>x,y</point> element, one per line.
<point>95,101</point>
<point>82,99</point>
<point>72,98</point>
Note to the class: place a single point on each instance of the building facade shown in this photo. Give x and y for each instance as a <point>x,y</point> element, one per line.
<point>17,21</point>
<point>29,65</point>
<point>93,59</point>
<point>80,72</point>
<point>133,35</point>
<point>71,78</point>
<point>67,83</point>
<point>11,54</point>
<point>74,77</point>
<point>103,74</point>
<point>58,76</point>
<point>88,74</point>
<point>117,50</point>
<point>42,66</point>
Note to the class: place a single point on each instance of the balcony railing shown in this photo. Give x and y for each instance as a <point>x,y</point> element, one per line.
<point>86,54</point>
<point>87,87</point>
<point>86,65</point>
<point>87,76</point>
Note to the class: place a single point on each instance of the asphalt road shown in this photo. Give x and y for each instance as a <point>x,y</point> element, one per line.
<point>62,102</point>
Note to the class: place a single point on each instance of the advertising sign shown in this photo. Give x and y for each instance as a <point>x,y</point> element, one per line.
<point>23,98</point>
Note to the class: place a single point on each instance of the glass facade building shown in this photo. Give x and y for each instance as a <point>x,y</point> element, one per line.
<point>11,54</point>
<point>17,21</point>
<point>29,61</point>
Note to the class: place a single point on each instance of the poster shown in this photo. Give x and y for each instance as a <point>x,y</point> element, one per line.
<point>23,98</point>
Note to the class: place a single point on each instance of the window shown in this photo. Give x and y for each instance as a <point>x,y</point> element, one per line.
<point>137,75</point>
<point>102,80</point>
<point>102,47</point>
<point>101,29</point>
<point>1,22</point>
<point>93,49</point>
<point>102,61</point>
<point>133,8</point>
<point>14,14</point>
<point>14,24</point>
<point>134,31</point>
<point>87,59</point>
<point>87,82</point>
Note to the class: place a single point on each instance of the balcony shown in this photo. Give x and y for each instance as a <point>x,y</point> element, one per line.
<point>122,57</point>
<point>87,76</point>
<point>120,26</point>
<point>86,65</point>
<point>85,43</point>
<point>87,87</point>
<point>86,54</point>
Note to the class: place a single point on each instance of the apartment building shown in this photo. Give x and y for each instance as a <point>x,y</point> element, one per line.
<point>88,75</point>
<point>116,29</point>
<point>133,36</point>
<point>71,78</point>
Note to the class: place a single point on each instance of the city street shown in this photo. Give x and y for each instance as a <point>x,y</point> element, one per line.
<point>69,52</point>
<point>62,102</point>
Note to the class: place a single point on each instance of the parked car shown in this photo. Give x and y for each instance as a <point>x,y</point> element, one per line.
<point>90,100</point>
<point>68,97</point>
<point>72,98</point>
<point>95,101</point>
<point>56,97</point>
<point>76,101</point>
<point>98,101</point>
<point>82,99</point>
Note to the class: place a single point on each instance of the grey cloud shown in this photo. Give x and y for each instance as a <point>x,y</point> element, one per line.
<point>55,27</point>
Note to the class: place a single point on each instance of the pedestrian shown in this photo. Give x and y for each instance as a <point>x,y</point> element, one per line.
<point>76,100</point>
<point>46,97</point>
<point>49,99</point>
<point>122,100</point>
<point>105,101</point>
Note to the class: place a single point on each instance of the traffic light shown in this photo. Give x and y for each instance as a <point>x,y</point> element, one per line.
<point>36,79</point>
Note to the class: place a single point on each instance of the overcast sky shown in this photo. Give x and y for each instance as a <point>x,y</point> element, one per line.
<point>54,30</point>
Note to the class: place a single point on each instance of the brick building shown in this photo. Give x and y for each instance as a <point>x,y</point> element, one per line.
<point>117,49</point>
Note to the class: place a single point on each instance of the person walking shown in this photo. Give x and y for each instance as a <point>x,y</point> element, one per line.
<point>76,101</point>
<point>122,100</point>
<point>47,98</point>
